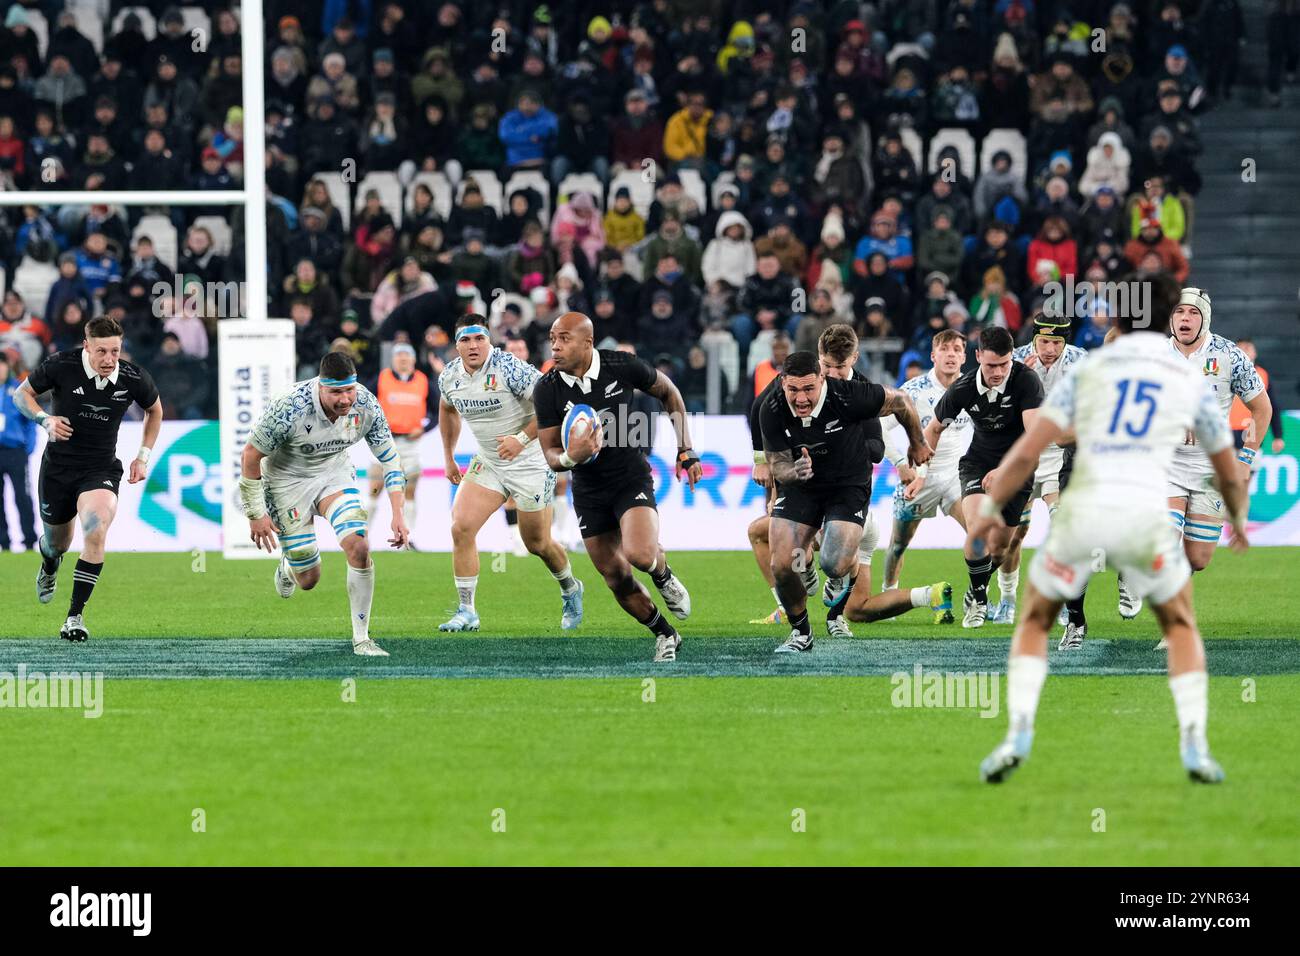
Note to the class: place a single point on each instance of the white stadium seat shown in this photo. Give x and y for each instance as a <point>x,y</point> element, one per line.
<point>532,179</point>
<point>390,194</point>
<point>439,186</point>
<point>32,280</point>
<point>583,183</point>
<point>148,25</point>
<point>222,234</point>
<point>91,26</point>
<point>912,143</point>
<point>693,186</point>
<point>643,193</point>
<point>960,138</point>
<point>1013,141</point>
<point>39,26</point>
<point>196,18</point>
<point>163,233</point>
<point>489,185</point>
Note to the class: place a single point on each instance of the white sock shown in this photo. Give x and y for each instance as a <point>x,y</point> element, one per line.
<point>1025,677</point>
<point>864,557</point>
<point>465,588</point>
<point>408,513</point>
<point>361,592</point>
<point>567,581</point>
<point>1009,582</point>
<point>921,596</point>
<point>1191,701</point>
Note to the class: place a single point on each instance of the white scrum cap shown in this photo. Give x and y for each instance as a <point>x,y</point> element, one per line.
<point>1201,299</point>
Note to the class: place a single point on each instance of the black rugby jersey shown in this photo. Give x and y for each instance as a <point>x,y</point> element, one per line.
<point>93,406</point>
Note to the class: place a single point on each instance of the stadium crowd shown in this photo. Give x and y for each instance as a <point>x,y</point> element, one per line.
<point>693,175</point>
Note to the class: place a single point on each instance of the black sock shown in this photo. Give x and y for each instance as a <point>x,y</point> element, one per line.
<point>800,621</point>
<point>1074,610</point>
<point>659,626</point>
<point>981,569</point>
<point>837,609</point>
<point>83,582</point>
<point>49,561</point>
<point>660,578</point>
<point>512,516</point>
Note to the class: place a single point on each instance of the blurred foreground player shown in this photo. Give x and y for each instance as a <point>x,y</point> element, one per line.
<point>1130,404</point>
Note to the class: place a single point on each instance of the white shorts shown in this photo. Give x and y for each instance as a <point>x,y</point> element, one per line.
<point>1089,537</point>
<point>529,480</point>
<point>408,452</point>
<point>937,494</point>
<point>1196,485</point>
<point>291,499</point>
<point>1047,476</point>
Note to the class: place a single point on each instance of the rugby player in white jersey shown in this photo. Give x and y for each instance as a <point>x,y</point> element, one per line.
<point>933,488</point>
<point>1196,509</point>
<point>296,466</point>
<point>492,391</point>
<point>1050,356</point>
<point>1130,405</point>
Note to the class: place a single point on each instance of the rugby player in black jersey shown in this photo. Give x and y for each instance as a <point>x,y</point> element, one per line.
<point>1001,396</point>
<point>80,472</point>
<point>613,487</point>
<point>815,441</point>
<point>837,353</point>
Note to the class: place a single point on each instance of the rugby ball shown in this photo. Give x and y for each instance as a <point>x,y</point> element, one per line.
<point>579,418</point>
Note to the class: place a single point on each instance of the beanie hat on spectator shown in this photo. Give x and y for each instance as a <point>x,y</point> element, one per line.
<point>289,21</point>
<point>384,55</point>
<point>210,152</point>
<point>171,15</point>
<point>541,297</point>
<point>235,114</point>
<point>1061,156</point>
<point>531,282</point>
<point>17,16</point>
<point>582,201</point>
<point>569,271</point>
<point>941,209</point>
<point>466,289</point>
<point>833,225</point>
<point>598,25</point>
<point>936,275</point>
<point>875,304</point>
<point>471,233</point>
<point>622,193</point>
<point>542,15</point>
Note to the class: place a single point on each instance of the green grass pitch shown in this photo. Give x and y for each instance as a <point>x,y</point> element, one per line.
<point>522,746</point>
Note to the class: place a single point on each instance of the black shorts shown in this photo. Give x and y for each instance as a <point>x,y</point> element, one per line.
<point>813,507</point>
<point>1067,466</point>
<point>971,471</point>
<point>600,508</point>
<point>62,482</point>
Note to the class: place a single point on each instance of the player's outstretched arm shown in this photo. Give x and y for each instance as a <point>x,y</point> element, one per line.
<point>262,530</point>
<point>153,416</point>
<point>56,427</point>
<point>675,406</point>
<point>898,405</point>
<point>449,430</point>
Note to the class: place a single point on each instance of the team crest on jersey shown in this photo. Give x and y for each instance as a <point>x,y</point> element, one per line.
<point>293,514</point>
<point>491,383</point>
<point>1212,366</point>
<point>355,420</point>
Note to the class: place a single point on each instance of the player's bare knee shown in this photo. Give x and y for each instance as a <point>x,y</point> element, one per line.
<point>758,532</point>
<point>536,539</point>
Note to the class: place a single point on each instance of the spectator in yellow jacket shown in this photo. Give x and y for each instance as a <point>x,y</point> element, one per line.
<point>686,135</point>
<point>624,226</point>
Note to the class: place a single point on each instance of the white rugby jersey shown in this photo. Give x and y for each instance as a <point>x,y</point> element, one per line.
<point>496,400</point>
<point>925,392</point>
<point>1228,372</point>
<point>1070,356</point>
<point>1131,404</point>
<point>299,440</point>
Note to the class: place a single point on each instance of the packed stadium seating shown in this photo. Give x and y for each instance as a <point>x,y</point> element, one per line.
<point>857,118</point>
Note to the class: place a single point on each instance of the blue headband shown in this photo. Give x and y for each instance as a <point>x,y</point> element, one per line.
<point>339,382</point>
<point>470,330</point>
